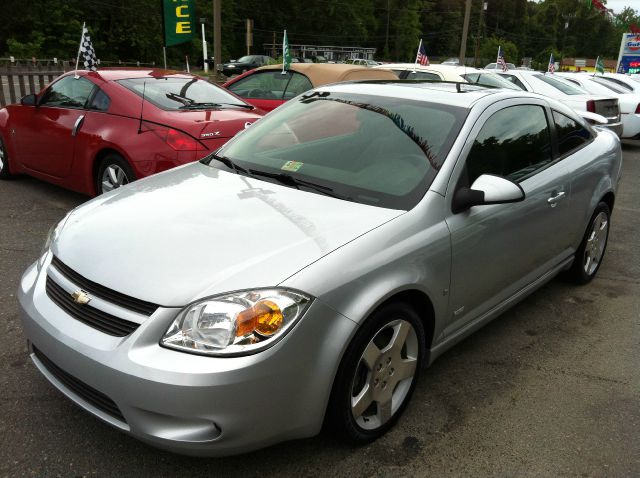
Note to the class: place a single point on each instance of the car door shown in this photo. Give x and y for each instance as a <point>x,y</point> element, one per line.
<point>498,250</point>
<point>46,134</point>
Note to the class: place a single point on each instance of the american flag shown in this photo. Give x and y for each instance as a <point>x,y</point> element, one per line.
<point>500,61</point>
<point>422,57</point>
<point>552,65</point>
<point>87,52</point>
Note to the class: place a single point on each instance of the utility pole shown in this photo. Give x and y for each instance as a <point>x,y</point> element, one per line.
<point>386,42</point>
<point>217,34</point>
<point>483,7</point>
<point>465,30</point>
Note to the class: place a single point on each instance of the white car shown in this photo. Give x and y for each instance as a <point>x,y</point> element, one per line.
<point>629,102</point>
<point>569,94</point>
<point>628,83</point>
<point>442,72</point>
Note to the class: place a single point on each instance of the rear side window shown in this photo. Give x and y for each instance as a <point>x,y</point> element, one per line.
<point>514,143</point>
<point>514,79</point>
<point>571,135</point>
<point>100,101</point>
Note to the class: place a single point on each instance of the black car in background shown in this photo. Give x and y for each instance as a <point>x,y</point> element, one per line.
<point>246,63</point>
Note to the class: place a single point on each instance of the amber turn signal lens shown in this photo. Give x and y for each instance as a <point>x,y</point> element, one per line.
<point>265,317</point>
<point>268,317</point>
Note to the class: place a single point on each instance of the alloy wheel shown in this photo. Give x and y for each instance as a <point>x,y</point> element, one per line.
<point>113,177</point>
<point>596,242</point>
<point>384,374</point>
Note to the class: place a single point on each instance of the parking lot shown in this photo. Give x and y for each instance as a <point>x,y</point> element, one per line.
<point>550,388</point>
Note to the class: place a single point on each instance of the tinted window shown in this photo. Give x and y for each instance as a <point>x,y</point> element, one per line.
<point>69,92</point>
<point>371,149</point>
<point>564,86</point>
<point>180,93</point>
<point>514,79</point>
<point>421,75</point>
<point>487,79</point>
<point>100,101</point>
<point>267,85</point>
<point>618,82</point>
<point>298,84</point>
<point>513,143</point>
<point>611,86</point>
<point>571,135</point>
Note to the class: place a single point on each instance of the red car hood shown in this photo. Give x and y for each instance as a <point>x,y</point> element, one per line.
<point>210,124</point>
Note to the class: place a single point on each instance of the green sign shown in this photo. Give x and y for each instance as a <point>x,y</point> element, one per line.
<point>178,21</point>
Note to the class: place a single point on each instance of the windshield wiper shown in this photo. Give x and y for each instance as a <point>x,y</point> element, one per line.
<point>230,164</point>
<point>290,180</point>
<point>195,105</point>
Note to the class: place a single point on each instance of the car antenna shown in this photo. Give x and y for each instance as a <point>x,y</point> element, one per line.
<point>144,85</point>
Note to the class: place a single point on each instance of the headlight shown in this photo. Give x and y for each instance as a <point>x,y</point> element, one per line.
<point>239,323</point>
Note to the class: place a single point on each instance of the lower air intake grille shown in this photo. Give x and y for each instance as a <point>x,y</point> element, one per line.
<point>87,393</point>
<point>88,315</point>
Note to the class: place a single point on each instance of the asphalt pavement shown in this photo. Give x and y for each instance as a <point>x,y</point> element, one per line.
<point>550,388</point>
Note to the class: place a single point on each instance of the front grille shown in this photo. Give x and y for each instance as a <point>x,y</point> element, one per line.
<point>88,315</point>
<point>131,303</point>
<point>87,393</point>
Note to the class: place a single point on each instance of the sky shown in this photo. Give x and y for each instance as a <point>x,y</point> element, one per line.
<point>618,5</point>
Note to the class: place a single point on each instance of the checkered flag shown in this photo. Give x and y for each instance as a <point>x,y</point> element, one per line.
<point>86,51</point>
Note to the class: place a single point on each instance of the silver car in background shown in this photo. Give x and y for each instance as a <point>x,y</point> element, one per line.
<point>307,270</point>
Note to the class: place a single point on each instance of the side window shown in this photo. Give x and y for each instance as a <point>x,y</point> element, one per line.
<point>422,75</point>
<point>571,135</point>
<point>513,143</point>
<point>100,101</point>
<point>268,85</point>
<point>69,92</point>
<point>298,84</point>
<point>514,79</point>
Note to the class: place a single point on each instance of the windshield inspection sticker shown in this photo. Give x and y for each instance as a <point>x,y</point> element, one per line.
<point>291,166</point>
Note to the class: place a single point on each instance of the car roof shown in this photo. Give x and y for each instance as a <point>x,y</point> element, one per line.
<point>431,92</point>
<point>323,73</point>
<point>112,74</point>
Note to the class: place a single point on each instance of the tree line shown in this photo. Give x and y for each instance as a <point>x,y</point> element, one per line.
<point>132,29</point>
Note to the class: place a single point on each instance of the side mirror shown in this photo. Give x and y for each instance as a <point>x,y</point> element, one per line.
<point>487,189</point>
<point>29,100</point>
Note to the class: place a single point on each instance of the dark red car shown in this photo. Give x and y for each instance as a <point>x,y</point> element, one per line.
<point>93,132</point>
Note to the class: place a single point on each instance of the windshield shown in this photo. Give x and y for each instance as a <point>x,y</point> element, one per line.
<point>488,79</point>
<point>181,93</point>
<point>246,59</point>
<point>562,85</point>
<point>368,149</point>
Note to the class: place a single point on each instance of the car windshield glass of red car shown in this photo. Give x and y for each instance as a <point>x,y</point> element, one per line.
<point>180,93</point>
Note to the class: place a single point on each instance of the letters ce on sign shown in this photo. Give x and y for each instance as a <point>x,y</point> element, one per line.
<point>178,21</point>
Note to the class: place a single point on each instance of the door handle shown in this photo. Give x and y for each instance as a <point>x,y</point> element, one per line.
<point>77,125</point>
<point>553,200</point>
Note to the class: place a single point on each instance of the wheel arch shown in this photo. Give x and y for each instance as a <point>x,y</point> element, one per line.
<point>97,161</point>
<point>609,199</point>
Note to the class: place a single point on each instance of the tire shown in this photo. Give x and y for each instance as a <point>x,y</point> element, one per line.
<point>113,173</point>
<point>377,375</point>
<point>4,161</point>
<point>594,243</point>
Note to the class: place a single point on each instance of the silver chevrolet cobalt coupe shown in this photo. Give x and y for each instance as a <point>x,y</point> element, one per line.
<point>306,271</point>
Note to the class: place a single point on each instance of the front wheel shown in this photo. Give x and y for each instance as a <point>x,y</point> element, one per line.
<point>591,251</point>
<point>113,173</point>
<point>378,374</point>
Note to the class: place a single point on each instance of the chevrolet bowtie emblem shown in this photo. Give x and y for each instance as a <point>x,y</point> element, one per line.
<point>81,297</point>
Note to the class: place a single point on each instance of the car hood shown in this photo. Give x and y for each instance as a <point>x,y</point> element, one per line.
<point>196,231</point>
<point>212,124</point>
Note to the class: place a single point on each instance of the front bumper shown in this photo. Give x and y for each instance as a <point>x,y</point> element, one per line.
<point>182,402</point>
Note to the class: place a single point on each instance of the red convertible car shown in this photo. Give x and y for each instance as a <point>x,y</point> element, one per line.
<point>93,132</point>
